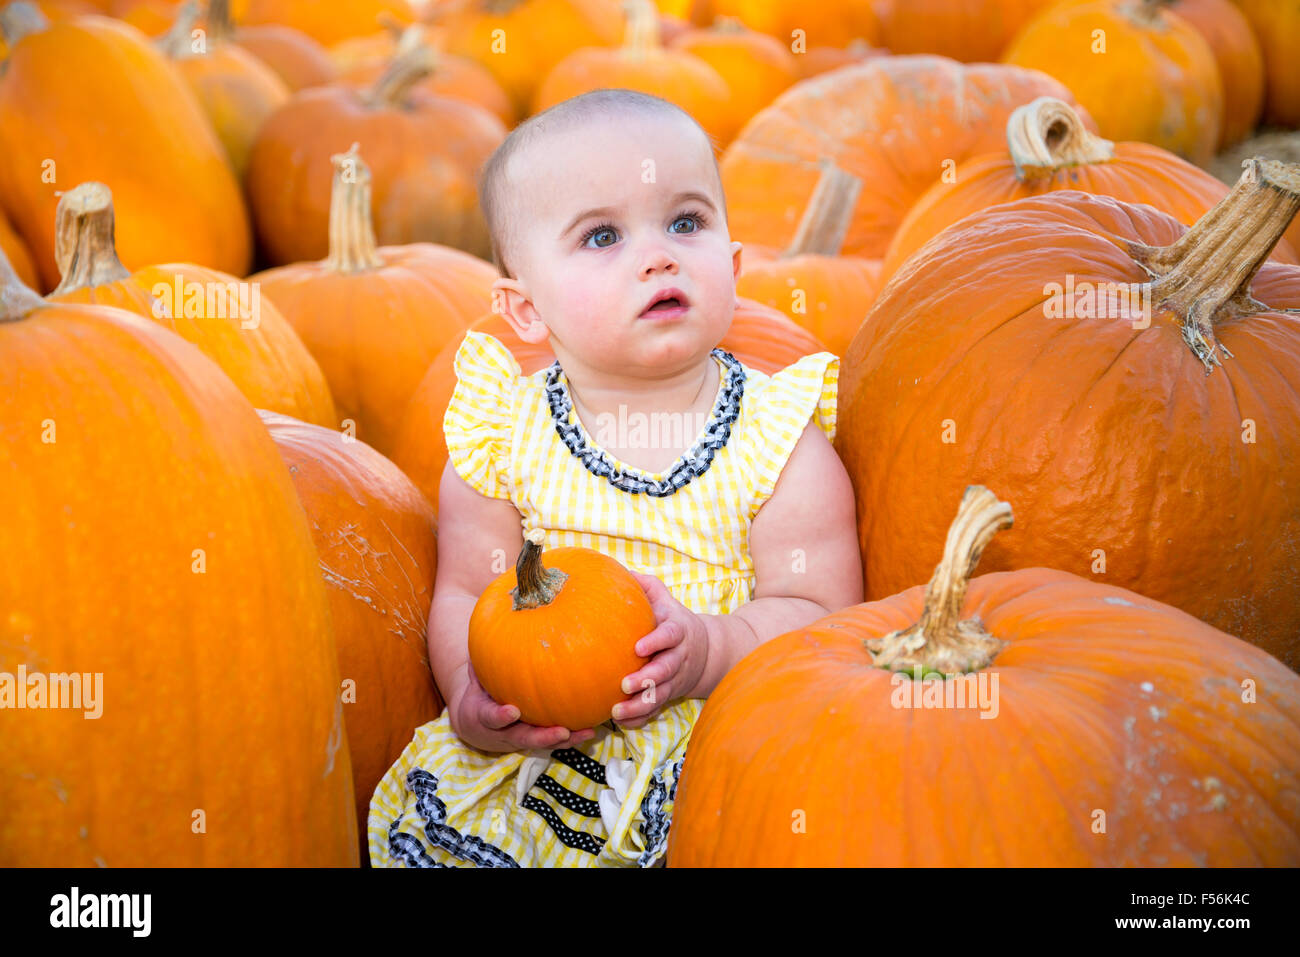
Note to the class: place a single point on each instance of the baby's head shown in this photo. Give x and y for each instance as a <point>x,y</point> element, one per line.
<point>596,206</point>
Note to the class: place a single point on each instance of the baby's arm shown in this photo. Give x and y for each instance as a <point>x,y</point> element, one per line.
<point>471,528</point>
<point>804,545</point>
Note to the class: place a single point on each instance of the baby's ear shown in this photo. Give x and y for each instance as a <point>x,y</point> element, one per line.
<point>510,299</point>
<point>735,258</point>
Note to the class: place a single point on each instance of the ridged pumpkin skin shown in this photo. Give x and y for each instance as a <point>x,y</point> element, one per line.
<point>155,538</point>
<point>94,97</point>
<point>1156,81</point>
<point>376,317</point>
<point>424,152</point>
<point>838,293</point>
<point>374,533</point>
<point>1239,59</point>
<point>1128,462</point>
<point>1131,172</point>
<point>1277,27</point>
<point>522,41</point>
<point>972,31</point>
<point>562,664</point>
<point>760,337</point>
<point>892,122</point>
<point>1106,702</point>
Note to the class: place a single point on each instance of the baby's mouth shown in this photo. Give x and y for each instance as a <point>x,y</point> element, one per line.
<point>666,302</point>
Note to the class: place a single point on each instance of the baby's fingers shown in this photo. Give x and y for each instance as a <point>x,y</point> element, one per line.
<point>667,634</point>
<point>637,711</point>
<point>496,716</point>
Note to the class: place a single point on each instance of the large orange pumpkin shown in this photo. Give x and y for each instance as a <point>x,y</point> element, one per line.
<point>1049,149</point>
<point>1132,383</point>
<point>1239,59</point>
<point>969,30</point>
<point>643,64</point>
<point>1277,27</point>
<point>154,543</point>
<point>521,41</point>
<point>1078,725</point>
<point>897,123</point>
<point>89,99</point>
<point>1143,72</point>
<point>425,152</point>
<point>376,317</point>
<point>557,639</point>
<point>378,550</point>
<point>760,337</point>
<point>236,90</point>
<point>224,316</point>
<point>826,293</point>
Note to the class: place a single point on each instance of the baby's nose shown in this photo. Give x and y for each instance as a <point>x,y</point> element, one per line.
<point>658,259</point>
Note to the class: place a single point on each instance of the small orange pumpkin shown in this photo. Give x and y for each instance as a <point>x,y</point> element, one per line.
<point>556,642</point>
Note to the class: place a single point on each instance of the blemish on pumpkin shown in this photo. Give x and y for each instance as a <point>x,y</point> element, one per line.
<point>1156,713</point>
<point>1116,600</point>
<point>1128,725</point>
<point>1147,686</point>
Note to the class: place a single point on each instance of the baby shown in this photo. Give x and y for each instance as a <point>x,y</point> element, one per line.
<point>609,228</point>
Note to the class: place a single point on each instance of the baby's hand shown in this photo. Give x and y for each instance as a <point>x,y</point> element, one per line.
<point>679,646</point>
<point>484,724</point>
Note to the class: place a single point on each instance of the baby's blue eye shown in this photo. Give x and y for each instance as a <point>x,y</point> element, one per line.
<point>604,236</point>
<point>689,220</point>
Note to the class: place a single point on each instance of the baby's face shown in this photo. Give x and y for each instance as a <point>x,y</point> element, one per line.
<point>612,215</point>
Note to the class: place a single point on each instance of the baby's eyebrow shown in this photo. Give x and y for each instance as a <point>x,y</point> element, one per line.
<point>607,211</point>
<point>587,214</point>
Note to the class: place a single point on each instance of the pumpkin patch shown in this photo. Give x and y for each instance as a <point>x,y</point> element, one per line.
<point>1051,246</point>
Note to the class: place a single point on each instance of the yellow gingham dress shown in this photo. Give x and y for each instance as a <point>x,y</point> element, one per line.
<point>517,437</point>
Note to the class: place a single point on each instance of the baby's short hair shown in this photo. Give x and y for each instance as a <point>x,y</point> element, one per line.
<point>493,192</point>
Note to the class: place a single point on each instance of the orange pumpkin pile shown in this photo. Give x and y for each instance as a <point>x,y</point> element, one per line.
<point>1012,220</point>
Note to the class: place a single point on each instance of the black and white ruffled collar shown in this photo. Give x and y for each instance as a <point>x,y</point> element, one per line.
<point>692,463</point>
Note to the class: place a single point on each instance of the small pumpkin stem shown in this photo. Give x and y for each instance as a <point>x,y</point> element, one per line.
<point>18,20</point>
<point>1046,135</point>
<point>16,300</point>
<point>388,22</point>
<point>642,33</point>
<point>941,641</point>
<point>729,26</point>
<point>178,42</point>
<point>352,235</point>
<point>219,26</point>
<point>404,71</point>
<point>1205,276</point>
<point>536,585</point>
<point>83,239</point>
<point>828,216</point>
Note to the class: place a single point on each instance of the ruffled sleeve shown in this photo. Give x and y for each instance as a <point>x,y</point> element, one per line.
<point>479,417</point>
<point>787,401</point>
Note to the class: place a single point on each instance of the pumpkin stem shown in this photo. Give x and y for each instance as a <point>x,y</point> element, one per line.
<point>219,25</point>
<point>352,235</point>
<point>536,585</point>
<point>728,26</point>
<point>642,33</point>
<point>18,20</point>
<point>83,239</point>
<point>1205,276</point>
<point>941,642</point>
<point>1046,135</point>
<point>407,68</point>
<point>828,216</point>
<point>178,42</point>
